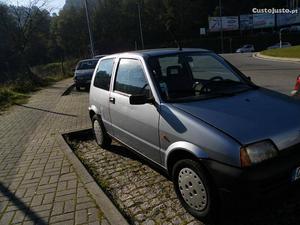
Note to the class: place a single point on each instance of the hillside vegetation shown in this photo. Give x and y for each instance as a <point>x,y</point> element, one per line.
<point>17,91</point>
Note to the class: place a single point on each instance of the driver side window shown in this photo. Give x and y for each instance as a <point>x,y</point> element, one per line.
<point>130,78</point>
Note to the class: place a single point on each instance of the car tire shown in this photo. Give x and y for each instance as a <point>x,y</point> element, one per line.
<point>101,136</point>
<point>195,190</point>
<point>77,88</point>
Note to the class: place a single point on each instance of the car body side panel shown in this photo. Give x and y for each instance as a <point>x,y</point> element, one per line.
<point>178,127</point>
<point>99,99</point>
<point>136,125</point>
<point>99,103</point>
<point>183,145</point>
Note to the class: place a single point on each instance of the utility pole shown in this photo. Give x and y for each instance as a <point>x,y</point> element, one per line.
<point>140,23</point>
<point>89,28</point>
<point>222,36</point>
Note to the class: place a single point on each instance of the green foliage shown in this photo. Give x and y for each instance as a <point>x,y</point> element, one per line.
<point>292,52</point>
<point>57,69</point>
<point>15,91</point>
<point>29,36</point>
<point>9,97</point>
<point>70,32</point>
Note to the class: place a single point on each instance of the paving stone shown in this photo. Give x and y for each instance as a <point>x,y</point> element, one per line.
<point>81,217</point>
<point>63,217</point>
<point>7,218</point>
<point>32,165</point>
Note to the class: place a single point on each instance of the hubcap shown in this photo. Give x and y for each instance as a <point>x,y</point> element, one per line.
<point>98,132</point>
<point>192,189</point>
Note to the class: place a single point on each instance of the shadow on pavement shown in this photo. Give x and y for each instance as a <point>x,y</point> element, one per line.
<point>115,147</point>
<point>280,210</point>
<point>21,206</point>
<point>47,111</point>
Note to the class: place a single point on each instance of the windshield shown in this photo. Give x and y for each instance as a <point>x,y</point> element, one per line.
<point>195,76</point>
<point>87,65</point>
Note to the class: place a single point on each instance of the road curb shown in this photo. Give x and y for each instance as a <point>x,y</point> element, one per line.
<point>68,90</point>
<point>110,211</point>
<point>277,59</point>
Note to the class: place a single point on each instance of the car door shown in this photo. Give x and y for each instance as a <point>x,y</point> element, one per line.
<point>134,125</point>
<point>99,92</point>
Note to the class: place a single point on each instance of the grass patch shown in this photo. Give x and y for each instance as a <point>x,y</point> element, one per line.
<point>9,97</point>
<point>292,52</point>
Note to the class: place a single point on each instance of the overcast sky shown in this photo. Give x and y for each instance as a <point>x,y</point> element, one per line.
<point>53,5</point>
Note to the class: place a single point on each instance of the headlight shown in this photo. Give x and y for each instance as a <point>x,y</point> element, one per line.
<point>256,153</point>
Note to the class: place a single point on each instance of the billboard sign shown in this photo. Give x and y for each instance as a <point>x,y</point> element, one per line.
<point>287,19</point>
<point>263,20</point>
<point>228,23</point>
<point>246,22</point>
<point>214,24</point>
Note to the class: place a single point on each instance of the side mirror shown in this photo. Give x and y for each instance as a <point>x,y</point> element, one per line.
<point>249,78</point>
<point>140,100</point>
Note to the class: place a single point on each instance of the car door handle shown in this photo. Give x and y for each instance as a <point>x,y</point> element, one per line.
<point>112,100</point>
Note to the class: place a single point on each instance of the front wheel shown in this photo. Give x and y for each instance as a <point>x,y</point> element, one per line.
<point>194,190</point>
<point>101,136</point>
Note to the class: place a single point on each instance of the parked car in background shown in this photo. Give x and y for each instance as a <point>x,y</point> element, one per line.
<point>84,72</point>
<point>296,91</point>
<point>245,48</point>
<point>99,56</point>
<point>284,45</point>
<point>198,118</point>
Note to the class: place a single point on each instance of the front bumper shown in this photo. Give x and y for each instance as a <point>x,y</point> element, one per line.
<point>261,181</point>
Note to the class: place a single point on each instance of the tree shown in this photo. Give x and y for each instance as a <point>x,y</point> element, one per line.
<point>70,32</point>
<point>24,39</point>
<point>7,45</point>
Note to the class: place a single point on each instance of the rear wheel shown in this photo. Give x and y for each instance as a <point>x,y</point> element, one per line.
<point>101,136</point>
<point>194,190</point>
<point>77,88</point>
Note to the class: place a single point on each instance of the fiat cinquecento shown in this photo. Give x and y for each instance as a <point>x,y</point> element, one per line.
<point>201,120</point>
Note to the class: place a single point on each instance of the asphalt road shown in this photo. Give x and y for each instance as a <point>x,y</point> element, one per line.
<point>278,76</point>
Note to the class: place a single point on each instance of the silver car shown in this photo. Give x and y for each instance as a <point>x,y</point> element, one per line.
<point>192,114</point>
<point>245,48</point>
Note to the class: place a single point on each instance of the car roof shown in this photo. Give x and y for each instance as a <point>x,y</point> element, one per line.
<point>86,60</point>
<point>99,56</point>
<point>162,51</point>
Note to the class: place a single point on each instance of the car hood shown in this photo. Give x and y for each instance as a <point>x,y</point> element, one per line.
<point>251,116</point>
<point>87,73</point>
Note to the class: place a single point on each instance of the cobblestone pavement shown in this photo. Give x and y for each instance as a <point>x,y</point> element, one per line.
<point>145,196</point>
<point>148,198</point>
<point>37,183</point>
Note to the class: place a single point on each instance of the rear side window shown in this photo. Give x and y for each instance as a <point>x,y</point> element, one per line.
<point>103,74</point>
<point>131,78</point>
